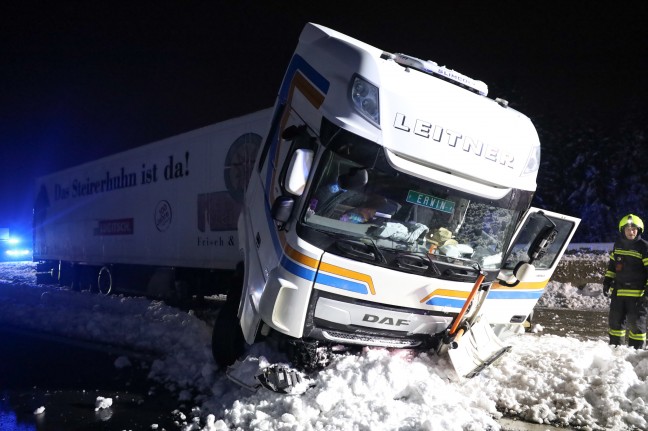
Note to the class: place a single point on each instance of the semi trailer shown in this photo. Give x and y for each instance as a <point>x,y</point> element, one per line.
<point>157,220</point>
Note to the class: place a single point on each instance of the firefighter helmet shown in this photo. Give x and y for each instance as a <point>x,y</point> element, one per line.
<point>631,220</point>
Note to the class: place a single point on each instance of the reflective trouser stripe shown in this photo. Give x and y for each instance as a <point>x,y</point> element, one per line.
<point>617,332</point>
<point>630,293</point>
<point>638,337</point>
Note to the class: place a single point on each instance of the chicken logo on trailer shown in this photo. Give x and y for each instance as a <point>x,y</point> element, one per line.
<point>239,164</point>
<point>163,215</point>
<point>219,211</point>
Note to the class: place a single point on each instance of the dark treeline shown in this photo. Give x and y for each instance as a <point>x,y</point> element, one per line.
<point>596,169</point>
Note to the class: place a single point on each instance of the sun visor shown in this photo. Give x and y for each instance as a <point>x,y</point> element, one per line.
<point>455,181</point>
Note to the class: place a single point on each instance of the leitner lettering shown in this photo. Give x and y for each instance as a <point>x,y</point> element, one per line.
<point>453,138</point>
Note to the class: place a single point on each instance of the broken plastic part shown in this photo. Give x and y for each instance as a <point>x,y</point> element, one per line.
<point>282,379</point>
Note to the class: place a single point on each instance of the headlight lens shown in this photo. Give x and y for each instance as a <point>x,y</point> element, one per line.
<point>533,162</point>
<point>365,99</point>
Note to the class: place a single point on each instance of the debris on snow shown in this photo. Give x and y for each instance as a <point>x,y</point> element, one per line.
<point>103,403</point>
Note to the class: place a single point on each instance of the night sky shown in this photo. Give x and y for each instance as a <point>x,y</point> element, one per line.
<point>81,80</point>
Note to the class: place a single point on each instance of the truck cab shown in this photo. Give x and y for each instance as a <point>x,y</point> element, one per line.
<point>390,199</point>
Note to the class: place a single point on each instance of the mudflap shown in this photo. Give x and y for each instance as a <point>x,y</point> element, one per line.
<point>478,348</point>
<point>243,372</point>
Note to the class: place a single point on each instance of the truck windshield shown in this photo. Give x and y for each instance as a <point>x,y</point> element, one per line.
<point>358,196</point>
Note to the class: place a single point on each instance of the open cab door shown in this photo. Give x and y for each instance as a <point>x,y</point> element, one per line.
<point>532,258</point>
<point>535,251</point>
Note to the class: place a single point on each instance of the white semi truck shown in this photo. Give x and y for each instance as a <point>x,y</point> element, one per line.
<point>158,220</point>
<point>390,206</point>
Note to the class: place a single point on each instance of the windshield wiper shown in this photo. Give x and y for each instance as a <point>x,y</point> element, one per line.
<point>363,248</point>
<point>417,262</point>
<point>458,270</point>
<point>414,261</point>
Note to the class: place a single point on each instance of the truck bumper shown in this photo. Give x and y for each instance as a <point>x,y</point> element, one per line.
<point>340,319</point>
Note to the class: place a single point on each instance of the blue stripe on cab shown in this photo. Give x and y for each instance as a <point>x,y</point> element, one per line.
<point>341,283</point>
<point>298,270</point>
<point>298,63</point>
<point>446,302</point>
<point>517,294</point>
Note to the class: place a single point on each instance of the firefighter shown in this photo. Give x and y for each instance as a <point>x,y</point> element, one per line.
<point>625,282</point>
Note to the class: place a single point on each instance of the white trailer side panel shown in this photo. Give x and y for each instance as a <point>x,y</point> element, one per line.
<point>174,202</point>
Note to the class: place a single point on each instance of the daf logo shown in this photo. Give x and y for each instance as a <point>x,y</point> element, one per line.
<point>371,318</point>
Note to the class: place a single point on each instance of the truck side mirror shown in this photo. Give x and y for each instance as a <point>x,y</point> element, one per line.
<point>282,209</point>
<point>541,232</point>
<point>291,132</point>
<point>542,243</point>
<point>523,271</point>
<point>298,171</point>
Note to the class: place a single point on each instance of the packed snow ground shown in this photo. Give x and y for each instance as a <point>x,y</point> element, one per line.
<point>544,379</point>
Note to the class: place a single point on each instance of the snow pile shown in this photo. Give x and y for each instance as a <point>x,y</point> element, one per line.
<point>565,295</point>
<point>563,381</point>
<point>548,379</point>
<point>376,390</point>
<point>180,342</point>
<point>544,379</point>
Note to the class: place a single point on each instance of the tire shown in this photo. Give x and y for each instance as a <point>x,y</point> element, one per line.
<point>227,336</point>
<point>104,281</point>
<point>75,278</point>
<point>228,342</point>
<point>528,322</point>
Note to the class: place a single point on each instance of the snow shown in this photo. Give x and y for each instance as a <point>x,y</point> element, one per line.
<point>545,379</point>
<point>103,403</point>
<point>565,295</point>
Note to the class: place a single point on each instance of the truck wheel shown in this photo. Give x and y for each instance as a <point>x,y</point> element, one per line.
<point>227,336</point>
<point>75,278</point>
<point>228,342</point>
<point>528,323</point>
<point>104,281</point>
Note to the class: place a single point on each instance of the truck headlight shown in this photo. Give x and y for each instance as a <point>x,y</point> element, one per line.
<point>365,99</point>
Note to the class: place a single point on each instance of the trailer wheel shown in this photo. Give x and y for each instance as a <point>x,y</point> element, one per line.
<point>104,281</point>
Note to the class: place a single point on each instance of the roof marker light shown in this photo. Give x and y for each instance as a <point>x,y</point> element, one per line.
<point>432,68</point>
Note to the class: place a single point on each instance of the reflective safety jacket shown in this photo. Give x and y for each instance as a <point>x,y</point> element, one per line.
<point>628,267</point>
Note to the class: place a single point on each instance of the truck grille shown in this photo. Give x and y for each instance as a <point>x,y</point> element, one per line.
<point>368,340</point>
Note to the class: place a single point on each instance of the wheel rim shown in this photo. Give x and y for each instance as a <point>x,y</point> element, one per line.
<point>104,281</point>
